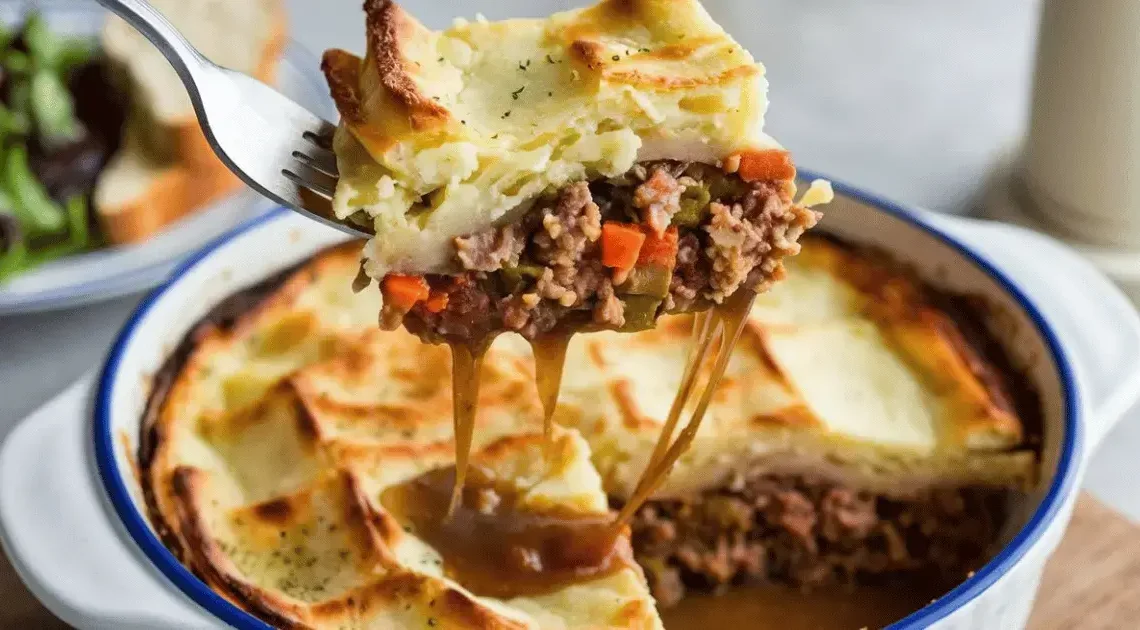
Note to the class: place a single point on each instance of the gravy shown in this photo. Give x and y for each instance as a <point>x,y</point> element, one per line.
<point>495,546</point>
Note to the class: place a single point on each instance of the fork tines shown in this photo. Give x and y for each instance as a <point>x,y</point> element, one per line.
<point>318,170</point>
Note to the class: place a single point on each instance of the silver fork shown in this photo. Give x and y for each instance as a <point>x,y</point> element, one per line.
<point>277,147</point>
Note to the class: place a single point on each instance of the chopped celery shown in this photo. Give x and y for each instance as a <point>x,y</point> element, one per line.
<point>650,280</point>
<point>725,187</point>
<point>515,276</point>
<point>694,206</point>
<point>529,270</point>
<point>640,312</point>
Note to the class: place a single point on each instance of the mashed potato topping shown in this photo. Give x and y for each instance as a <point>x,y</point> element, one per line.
<point>445,133</point>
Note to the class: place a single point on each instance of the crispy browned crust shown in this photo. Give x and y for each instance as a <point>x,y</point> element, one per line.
<point>380,100</point>
<point>182,501</point>
<point>387,27</point>
<point>170,388</point>
<point>342,71</point>
<point>208,560</point>
<point>901,297</point>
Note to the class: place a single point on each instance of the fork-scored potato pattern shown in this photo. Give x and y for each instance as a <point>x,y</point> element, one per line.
<point>266,458</point>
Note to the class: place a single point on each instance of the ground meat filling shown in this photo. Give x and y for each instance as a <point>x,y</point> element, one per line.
<point>547,268</point>
<point>811,534</point>
<point>658,199</point>
<point>491,250</point>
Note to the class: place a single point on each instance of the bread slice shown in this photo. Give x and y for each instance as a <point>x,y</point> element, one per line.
<point>165,169</point>
<point>137,196</point>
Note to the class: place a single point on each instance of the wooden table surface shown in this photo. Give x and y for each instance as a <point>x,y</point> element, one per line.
<point>1088,585</point>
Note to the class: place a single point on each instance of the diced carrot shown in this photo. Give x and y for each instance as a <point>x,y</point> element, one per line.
<point>404,291</point>
<point>437,302</point>
<point>659,250</point>
<point>772,164</point>
<point>621,244</point>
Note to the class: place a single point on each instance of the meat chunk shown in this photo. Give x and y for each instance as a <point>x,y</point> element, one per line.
<point>609,311</point>
<point>572,225</point>
<point>490,250</point>
<point>659,198</point>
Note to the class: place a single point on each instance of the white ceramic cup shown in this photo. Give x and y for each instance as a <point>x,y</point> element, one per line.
<point>1081,165</point>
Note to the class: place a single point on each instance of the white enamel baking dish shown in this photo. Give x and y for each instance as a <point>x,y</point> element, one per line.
<point>71,515</point>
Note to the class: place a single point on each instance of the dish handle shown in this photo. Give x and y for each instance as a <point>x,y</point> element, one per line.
<point>1097,325</point>
<point>55,528</point>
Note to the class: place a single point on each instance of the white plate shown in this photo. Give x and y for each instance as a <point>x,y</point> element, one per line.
<point>114,271</point>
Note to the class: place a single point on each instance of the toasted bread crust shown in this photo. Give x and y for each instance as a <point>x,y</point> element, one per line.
<point>172,195</point>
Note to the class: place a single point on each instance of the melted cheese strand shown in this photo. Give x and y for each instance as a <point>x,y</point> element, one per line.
<point>549,358</point>
<point>699,346</point>
<point>466,366</point>
<point>730,319</point>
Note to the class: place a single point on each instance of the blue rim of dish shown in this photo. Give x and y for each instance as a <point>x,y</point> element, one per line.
<point>132,280</point>
<point>1063,481</point>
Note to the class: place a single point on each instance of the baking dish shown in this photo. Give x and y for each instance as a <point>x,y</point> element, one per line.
<point>71,515</point>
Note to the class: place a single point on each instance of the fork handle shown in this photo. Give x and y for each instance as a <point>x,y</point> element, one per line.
<point>187,61</point>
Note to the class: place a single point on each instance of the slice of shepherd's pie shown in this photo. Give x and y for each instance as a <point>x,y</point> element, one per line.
<point>596,168</point>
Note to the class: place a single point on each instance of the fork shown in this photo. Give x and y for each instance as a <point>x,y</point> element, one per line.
<point>277,147</point>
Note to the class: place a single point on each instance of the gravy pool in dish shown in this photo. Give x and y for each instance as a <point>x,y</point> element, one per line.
<point>288,437</point>
<point>595,169</point>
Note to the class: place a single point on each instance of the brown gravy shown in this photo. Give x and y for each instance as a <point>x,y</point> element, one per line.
<point>496,547</point>
<point>779,608</point>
